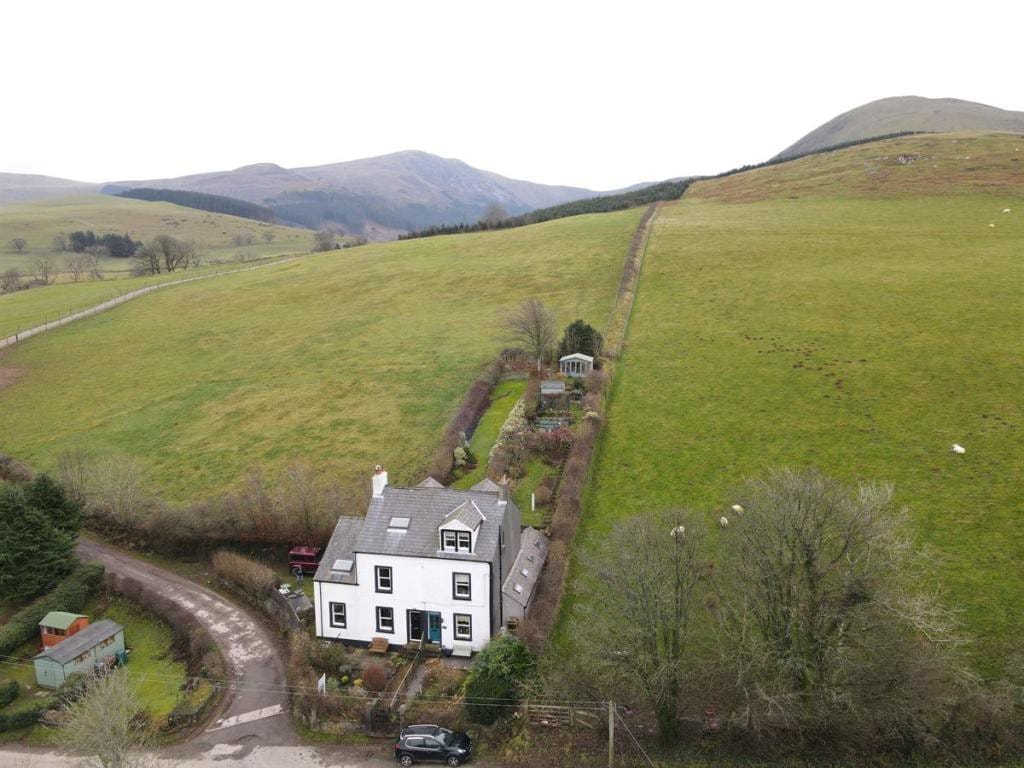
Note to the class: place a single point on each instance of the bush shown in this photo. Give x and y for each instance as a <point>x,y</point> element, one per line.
<point>542,496</point>
<point>254,579</point>
<point>70,595</point>
<point>9,692</point>
<point>488,697</point>
<point>375,677</point>
<point>25,717</point>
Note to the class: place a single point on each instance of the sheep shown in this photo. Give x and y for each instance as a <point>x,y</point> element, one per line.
<point>679,530</point>
<point>723,521</point>
<point>959,449</point>
<point>1006,210</point>
<point>737,509</point>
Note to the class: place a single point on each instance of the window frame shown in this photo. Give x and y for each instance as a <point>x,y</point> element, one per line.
<point>445,533</point>
<point>459,539</point>
<point>377,614</point>
<point>344,615</point>
<point>378,572</point>
<point>455,626</point>
<point>455,586</point>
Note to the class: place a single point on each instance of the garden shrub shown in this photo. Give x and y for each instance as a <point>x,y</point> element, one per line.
<point>375,677</point>
<point>25,717</point>
<point>70,595</point>
<point>9,692</point>
<point>542,495</point>
<point>488,697</point>
<point>253,578</point>
<point>498,672</point>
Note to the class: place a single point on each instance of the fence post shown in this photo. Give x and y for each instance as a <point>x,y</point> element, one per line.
<point>611,733</point>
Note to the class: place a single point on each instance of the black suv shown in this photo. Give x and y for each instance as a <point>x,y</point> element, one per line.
<point>431,743</point>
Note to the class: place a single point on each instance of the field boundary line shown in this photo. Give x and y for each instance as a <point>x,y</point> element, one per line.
<point>10,341</point>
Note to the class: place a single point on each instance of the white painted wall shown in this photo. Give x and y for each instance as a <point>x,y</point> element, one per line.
<point>423,584</point>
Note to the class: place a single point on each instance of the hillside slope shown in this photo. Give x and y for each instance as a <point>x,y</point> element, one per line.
<point>215,234</point>
<point>822,313</point>
<point>343,359</point>
<point>928,164</point>
<point>26,187</point>
<point>906,113</point>
<point>376,196</point>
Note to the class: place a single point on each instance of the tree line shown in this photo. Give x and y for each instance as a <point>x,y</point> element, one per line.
<point>665,190</point>
<point>202,201</point>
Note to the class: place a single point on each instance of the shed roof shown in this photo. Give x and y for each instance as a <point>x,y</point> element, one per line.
<point>577,356</point>
<point>522,579</point>
<point>60,619</point>
<point>552,387</point>
<point>81,642</point>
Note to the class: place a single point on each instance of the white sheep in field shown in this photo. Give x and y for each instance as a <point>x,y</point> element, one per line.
<point>957,448</point>
<point>723,521</point>
<point>679,530</point>
<point>737,509</point>
<point>1006,210</point>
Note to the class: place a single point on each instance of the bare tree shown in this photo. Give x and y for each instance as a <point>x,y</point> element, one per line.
<point>532,326</point>
<point>164,254</point>
<point>822,617</point>
<point>18,243</point>
<point>10,281</point>
<point>43,268</point>
<point>644,595</point>
<point>493,214</point>
<point>59,244</point>
<point>324,241</point>
<point>268,236</point>
<point>92,264</point>
<point>74,265</point>
<point>107,724</point>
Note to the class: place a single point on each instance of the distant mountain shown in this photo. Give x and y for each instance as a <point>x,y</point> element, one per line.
<point>906,113</point>
<point>25,187</point>
<point>379,197</point>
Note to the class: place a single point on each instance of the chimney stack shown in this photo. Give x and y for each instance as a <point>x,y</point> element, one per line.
<point>380,480</point>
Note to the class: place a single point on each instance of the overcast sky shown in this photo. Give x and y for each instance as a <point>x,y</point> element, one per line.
<point>584,93</point>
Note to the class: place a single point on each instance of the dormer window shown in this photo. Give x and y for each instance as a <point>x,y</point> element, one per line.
<point>456,541</point>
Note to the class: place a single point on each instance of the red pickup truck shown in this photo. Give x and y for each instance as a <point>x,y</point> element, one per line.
<point>306,558</point>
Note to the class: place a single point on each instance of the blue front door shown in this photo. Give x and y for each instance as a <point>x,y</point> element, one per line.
<point>434,627</point>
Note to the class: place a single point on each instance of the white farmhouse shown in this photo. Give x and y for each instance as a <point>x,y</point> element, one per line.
<point>427,563</point>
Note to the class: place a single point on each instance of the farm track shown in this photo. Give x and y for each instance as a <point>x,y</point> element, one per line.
<point>10,341</point>
<point>256,709</point>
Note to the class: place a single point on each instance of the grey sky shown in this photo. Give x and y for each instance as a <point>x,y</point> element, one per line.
<point>583,93</point>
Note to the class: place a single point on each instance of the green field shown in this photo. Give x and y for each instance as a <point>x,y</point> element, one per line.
<point>343,359</point>
<point>862,336</point>
<point>503,399</point>
<point>26,309</point>
<point>214,233</point>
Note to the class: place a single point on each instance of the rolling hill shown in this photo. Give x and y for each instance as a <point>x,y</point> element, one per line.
<point>215,234</point>
<point>377,196</point>
<point>26,187</point>
<point>906,113</point>
<point>847,312</point>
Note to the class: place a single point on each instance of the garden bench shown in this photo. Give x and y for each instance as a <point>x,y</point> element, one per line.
<point>379,645</point>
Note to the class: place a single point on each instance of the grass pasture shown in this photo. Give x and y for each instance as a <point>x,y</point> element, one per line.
<point>344,359</point>
<point>863,336</point>
<point>39,222</point>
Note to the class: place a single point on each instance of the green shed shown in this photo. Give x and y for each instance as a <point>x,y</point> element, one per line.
<point>79,653</point>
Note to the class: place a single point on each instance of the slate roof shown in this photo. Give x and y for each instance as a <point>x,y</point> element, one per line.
<point>426,509</point>
<point>341,547</point>
<point>467,513</point>
<point>429,482</point>
<point>60,619</point>
<point>487,486</point>
<point>534,544</point>
<point>79,643</point>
